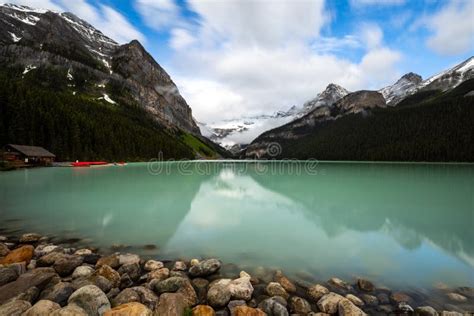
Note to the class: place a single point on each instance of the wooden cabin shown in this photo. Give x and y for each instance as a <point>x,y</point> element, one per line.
<point>27,155</point>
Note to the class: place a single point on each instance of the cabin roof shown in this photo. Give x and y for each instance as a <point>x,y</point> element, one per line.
<point>32,151</point>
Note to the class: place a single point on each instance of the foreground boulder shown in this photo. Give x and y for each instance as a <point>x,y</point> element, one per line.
<point>22,254</point>
<point>347,308</point>
<point>15,308</point>
<point>42,308</point>
<point>329,303</point>
<point>91,299</point>
<point>274,306</point>
<point>35,278</point>
<point>171,304</point>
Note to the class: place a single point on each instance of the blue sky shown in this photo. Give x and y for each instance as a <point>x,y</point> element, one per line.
<point>235,58</point>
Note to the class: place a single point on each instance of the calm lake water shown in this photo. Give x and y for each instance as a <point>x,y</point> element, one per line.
<point>397,224</point>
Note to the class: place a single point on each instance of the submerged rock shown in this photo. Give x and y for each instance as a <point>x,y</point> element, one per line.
<point>456,297</point>
<point>365,285</point>
<point>30,238</point>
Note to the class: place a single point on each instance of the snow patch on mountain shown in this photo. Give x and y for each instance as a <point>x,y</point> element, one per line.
<point>406,85</point>
<point>15,38</point>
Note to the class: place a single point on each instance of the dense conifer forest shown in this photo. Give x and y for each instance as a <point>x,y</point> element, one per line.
<point>42,108</point>
<point>427,126</point>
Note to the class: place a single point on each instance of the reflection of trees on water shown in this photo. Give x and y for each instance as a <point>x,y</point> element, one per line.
<point>409,202</point>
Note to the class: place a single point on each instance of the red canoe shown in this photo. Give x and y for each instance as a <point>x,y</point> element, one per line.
<point>88,163</point>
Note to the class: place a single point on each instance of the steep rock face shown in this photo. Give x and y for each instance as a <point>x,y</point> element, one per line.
<point>152,86</point>
<point>405,86</point>
<point>359,101</point>
<point>34,38</point>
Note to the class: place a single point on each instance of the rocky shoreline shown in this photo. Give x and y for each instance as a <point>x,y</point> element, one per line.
<point>38,277</point>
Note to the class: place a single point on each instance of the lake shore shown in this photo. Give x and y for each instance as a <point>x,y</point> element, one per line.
<point>38,277</point>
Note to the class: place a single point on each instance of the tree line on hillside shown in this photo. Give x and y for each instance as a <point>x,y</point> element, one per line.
<point>40,109</point>
<point>428,126</point>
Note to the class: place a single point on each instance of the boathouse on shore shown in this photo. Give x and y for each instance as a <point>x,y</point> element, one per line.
<point>28,155</point>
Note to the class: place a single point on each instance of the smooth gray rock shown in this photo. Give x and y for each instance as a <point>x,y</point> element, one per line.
<point>91,299</point>
<point>7,275</point>
<point>59,293</point>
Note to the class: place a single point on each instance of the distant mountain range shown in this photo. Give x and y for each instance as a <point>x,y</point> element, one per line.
<point>381,124</point>
<point>236,134</point>
<point>68,56</point>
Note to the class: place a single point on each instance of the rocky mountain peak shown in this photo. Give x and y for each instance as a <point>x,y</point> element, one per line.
<point>328,97</point>
<point>35,37</point>
<point>412,77</point>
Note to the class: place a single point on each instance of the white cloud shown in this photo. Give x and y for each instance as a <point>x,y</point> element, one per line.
<point>106,19</point>
<point>158,14</point>
<point>372,35</point>
<point>181,38</point>
<point>249,58</point>
<point>452,28</point>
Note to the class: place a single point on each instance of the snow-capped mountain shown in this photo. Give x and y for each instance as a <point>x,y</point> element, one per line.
<point>237,133</point>
<point>450,78</point>
<point>406,85</point>
<point>37,39</point>
<point>411,83</point>
<point>328,97</point>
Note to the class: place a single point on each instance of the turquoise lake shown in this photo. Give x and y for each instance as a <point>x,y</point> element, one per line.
<point>409,225</point>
